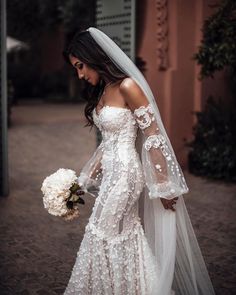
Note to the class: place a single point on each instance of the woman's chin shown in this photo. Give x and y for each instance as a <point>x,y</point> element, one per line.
<point>90,82</point>
<point>94,83</point>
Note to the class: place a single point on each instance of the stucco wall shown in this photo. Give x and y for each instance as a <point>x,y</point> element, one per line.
<point>177,89</point>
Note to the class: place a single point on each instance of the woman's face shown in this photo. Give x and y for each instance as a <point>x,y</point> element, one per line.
<point>84,71</point>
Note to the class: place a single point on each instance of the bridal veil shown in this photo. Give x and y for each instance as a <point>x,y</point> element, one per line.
<point>170,234</point>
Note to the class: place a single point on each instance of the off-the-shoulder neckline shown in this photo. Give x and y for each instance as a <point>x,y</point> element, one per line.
<point>107,106</point>
<point>120,108</point>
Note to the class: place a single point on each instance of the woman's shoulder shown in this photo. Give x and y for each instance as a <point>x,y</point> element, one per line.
<point>132,92</point>
<point>128,84</point>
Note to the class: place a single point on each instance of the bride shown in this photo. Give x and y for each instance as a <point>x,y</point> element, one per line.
<point>129,247</point>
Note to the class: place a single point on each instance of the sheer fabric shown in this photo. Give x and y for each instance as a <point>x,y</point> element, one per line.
<point>162,172</point>
<point>91,175</point>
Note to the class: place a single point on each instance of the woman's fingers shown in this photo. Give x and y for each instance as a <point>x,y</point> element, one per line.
<point>166,207</point>
<point>171,208</point>
<point>169,204</point>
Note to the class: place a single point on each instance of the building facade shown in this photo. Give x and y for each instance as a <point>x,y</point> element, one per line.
<point>168,35</point>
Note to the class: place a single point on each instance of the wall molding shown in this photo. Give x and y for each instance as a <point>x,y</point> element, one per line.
<point>162,34</point>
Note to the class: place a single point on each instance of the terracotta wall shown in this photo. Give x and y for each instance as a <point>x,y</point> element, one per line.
<point>175,27</point>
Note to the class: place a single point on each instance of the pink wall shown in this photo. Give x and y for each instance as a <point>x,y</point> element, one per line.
<point>183,74</point>
<point>177,89</point>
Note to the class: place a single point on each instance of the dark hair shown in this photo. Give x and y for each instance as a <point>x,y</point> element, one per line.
<point>84,47</point>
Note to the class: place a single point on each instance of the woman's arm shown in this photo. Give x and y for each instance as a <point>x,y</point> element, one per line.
<point>157,153</point>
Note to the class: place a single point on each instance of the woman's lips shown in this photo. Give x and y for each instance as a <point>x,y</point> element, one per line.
<point>89,81</point>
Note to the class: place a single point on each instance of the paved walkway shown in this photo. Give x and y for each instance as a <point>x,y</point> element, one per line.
<point>38,250</point>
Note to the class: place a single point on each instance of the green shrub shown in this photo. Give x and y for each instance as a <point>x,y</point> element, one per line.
<point>213,150</point>
<point>218,46</point>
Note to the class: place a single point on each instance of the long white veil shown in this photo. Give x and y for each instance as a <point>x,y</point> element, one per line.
<point>170,234</point>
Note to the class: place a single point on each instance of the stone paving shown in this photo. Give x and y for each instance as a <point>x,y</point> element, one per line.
<point>38,250</point>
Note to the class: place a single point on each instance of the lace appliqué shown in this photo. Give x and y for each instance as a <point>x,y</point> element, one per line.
<point>160,157</point>
<point>166,190</point>
<point>144,116</point>
<point>158,141</point>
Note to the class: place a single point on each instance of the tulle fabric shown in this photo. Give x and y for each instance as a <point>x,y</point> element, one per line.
<point>91,175</point>
<point>170,234</point>
<point>176,249</point>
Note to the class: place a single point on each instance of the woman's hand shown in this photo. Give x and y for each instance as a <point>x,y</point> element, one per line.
<point>168,204</point>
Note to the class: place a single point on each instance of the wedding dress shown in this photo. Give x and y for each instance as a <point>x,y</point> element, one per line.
<point>114,256</point>
<point>117,254</point>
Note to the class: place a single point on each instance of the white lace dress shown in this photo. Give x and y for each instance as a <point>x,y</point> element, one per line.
<point>114,255</point>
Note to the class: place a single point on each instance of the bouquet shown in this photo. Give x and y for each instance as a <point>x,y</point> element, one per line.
<point>61,194</point>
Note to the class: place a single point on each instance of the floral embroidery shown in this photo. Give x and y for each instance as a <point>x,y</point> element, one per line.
<point>158,167</point>
<point>146,120</point>
<point>144,116</point>
<point>154,141</point>
<point>161,158</point>
<point>165,190</point>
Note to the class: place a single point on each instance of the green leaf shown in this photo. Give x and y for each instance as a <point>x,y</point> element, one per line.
<point>74,187</point>
<point>74,198</point>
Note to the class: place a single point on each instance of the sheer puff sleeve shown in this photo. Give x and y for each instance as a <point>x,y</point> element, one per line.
<point>161,170</point>
<point>163,175</point>
<point>91,174</point>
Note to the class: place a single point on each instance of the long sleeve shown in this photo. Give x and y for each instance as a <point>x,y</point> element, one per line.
<point>91,174</point>
<point>163,175</point>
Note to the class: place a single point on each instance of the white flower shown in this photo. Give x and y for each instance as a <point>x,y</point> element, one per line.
<point>56,189</point>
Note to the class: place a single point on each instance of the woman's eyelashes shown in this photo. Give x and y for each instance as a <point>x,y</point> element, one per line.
<point>80,66</point>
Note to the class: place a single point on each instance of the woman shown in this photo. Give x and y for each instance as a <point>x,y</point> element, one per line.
<point>116,255</point>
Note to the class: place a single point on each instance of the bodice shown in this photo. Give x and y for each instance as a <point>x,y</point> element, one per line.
<point>118,128</point>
